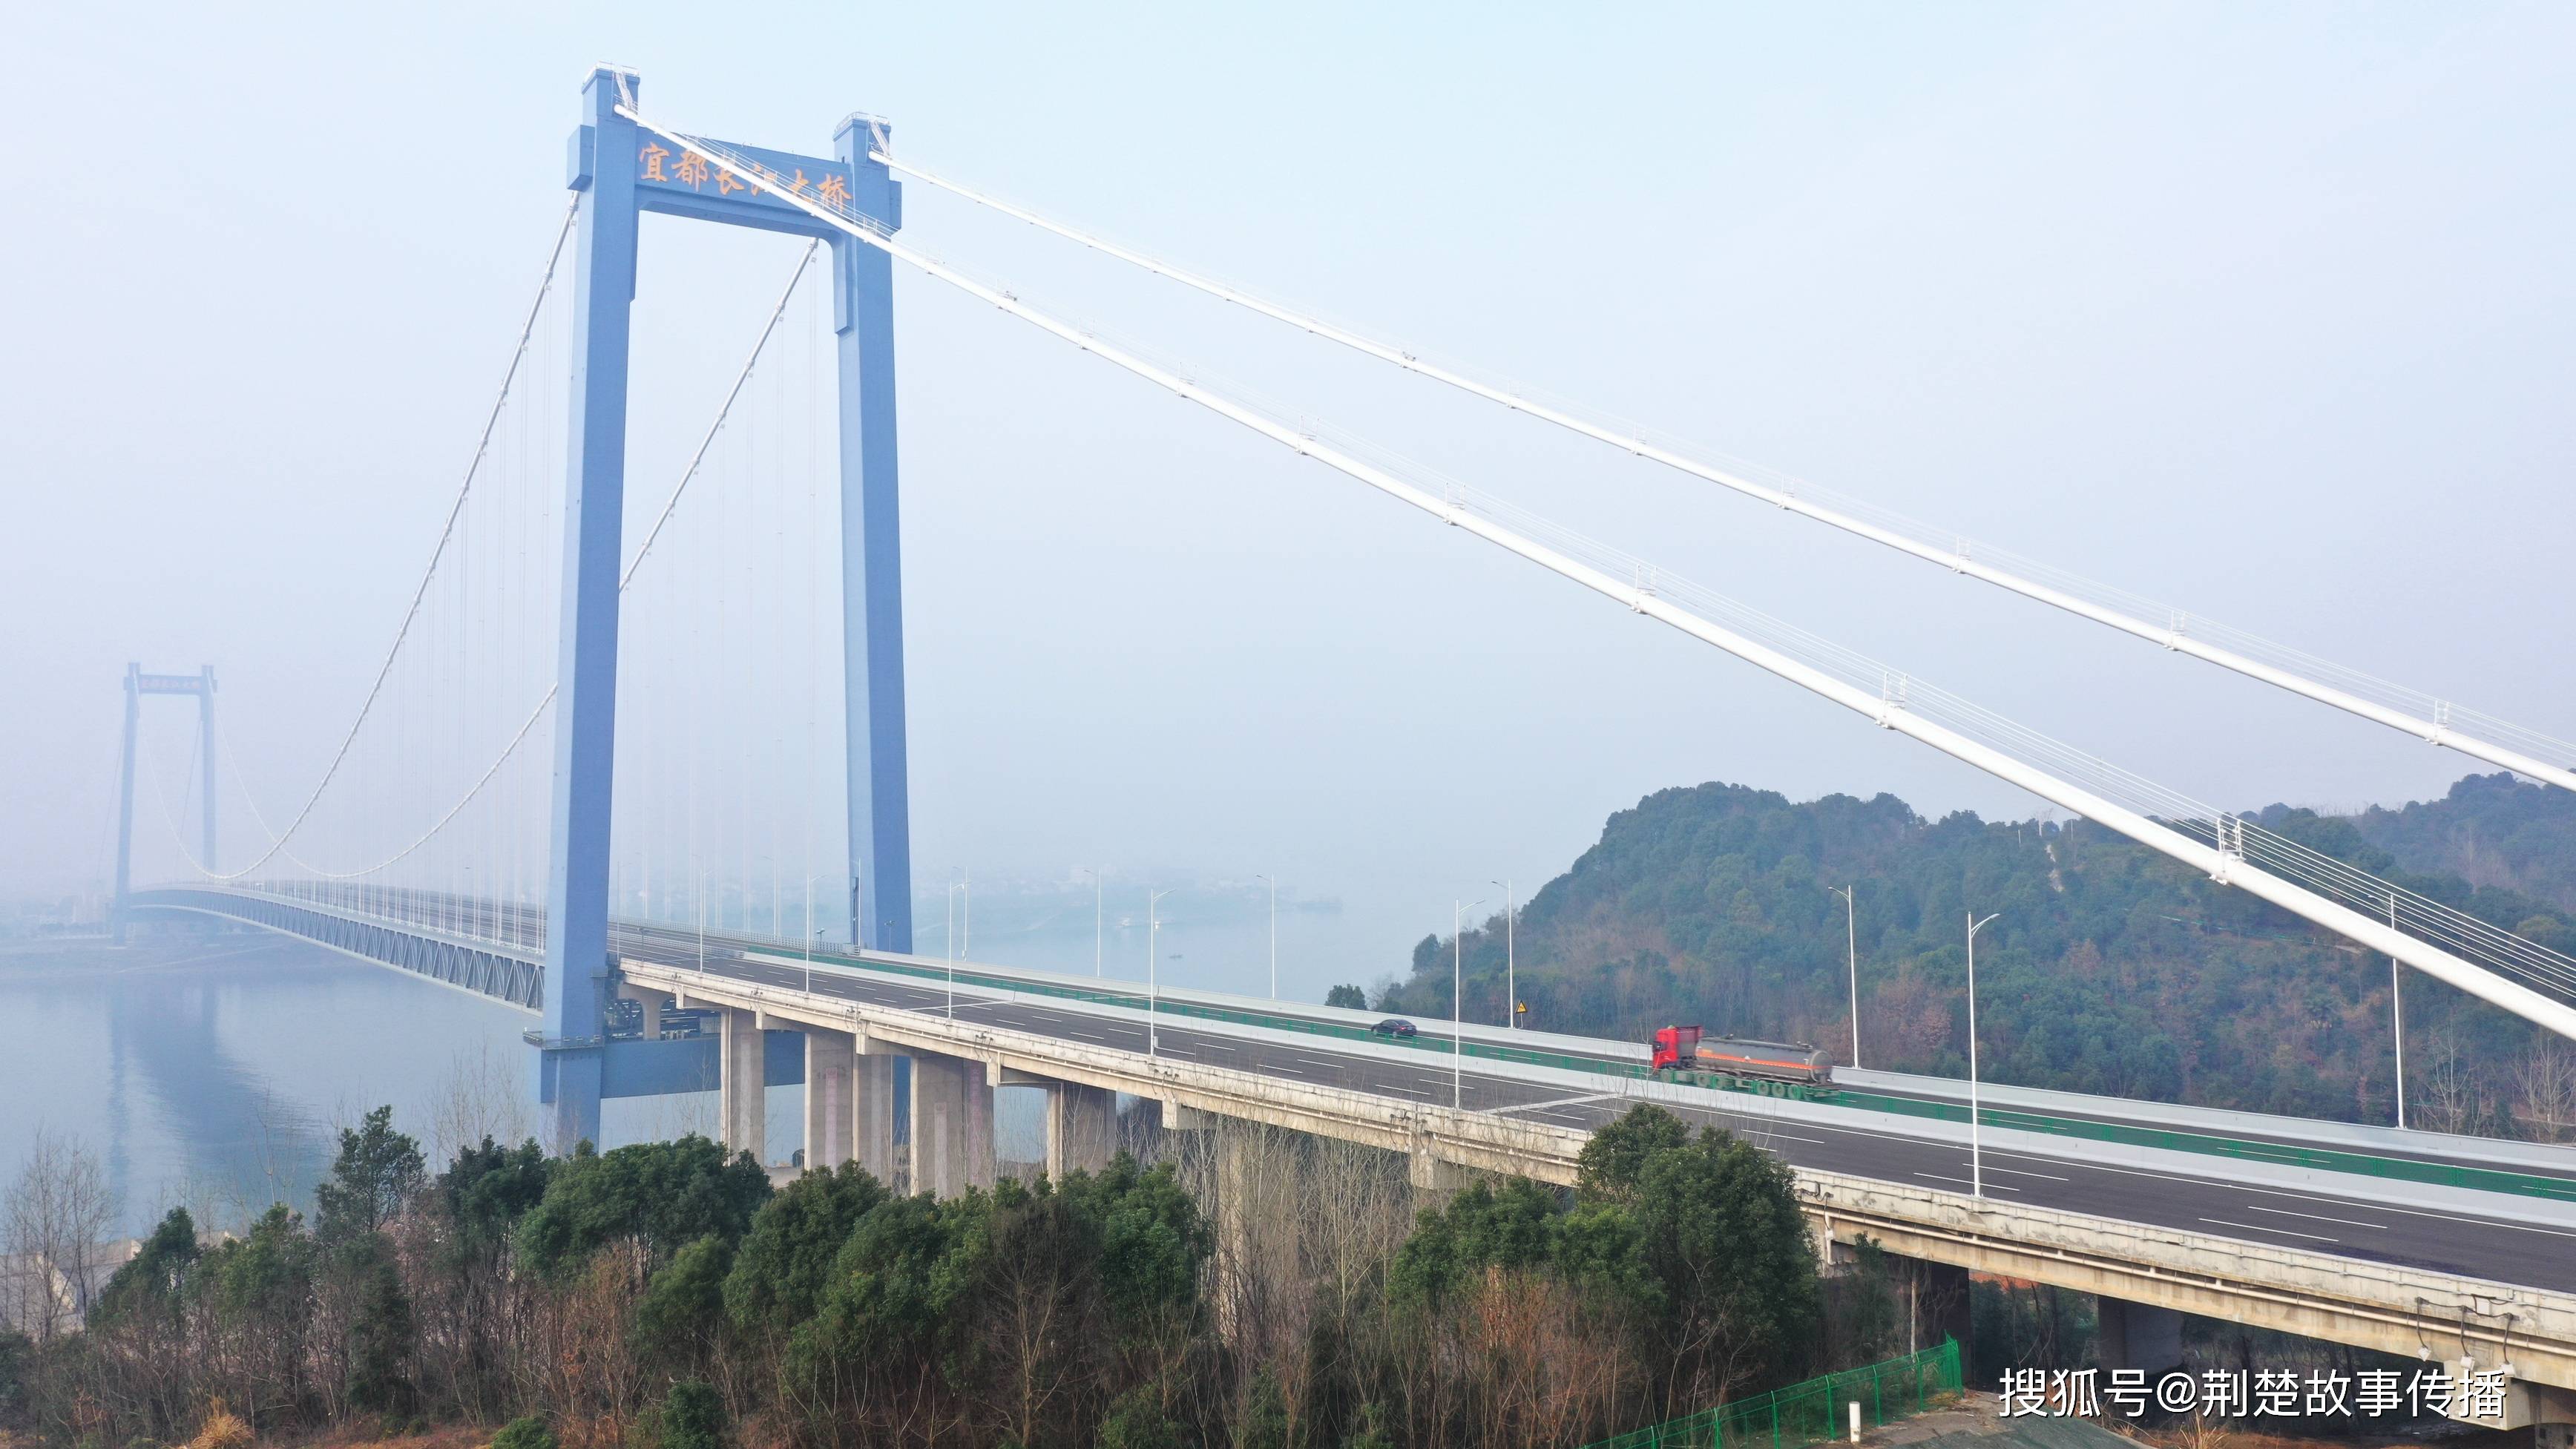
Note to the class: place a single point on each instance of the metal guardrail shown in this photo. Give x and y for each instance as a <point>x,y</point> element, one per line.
<point>1811,1412</point>
<point>2323,1159</point>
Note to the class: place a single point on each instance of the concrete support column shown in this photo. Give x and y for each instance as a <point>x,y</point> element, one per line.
<point>872,1110</point>
<point>829,1056</point>
<point>1236,1167</point>
<point>1081,1128</point>
<point>1430,1174</point>
<point>2130,1335</point>
<point>952,1125</point>
<point>742,1061</point>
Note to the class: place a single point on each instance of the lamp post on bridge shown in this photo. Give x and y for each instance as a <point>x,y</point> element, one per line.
<point>1273,883</point>
<point>2397,1016</point>
<point>1458,1002</point>
<point>948,943</point>
<point>1851,938</point>
<point>1511,962</point>
<point>1153,965</point>
<point>1098,886</point>
<point>1976,1154</point>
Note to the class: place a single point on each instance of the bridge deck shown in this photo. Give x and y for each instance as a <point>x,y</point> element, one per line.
<point>2526,1237</point>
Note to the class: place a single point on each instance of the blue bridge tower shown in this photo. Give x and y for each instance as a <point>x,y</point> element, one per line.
<point>620,172</point>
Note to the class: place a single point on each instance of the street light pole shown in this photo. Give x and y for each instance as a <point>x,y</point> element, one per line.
<point>2397,1017</point>
<point>1851,935</point>
<point>1274,933</point>
<point>1153,967</point>
<point>1511,963</point>
<point>1457,1002</point>
<point>948,942</point>
<point>1976,1153</point>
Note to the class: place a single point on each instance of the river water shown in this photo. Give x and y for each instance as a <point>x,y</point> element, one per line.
<point>212,1070</point>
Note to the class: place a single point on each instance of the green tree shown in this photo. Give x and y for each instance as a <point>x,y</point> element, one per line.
<point>488,1188</point>
<point>375,1173</point>
<point>377,1342</point>
<point>785,1262</point>
<point>692,1416</point>
<point>262,1287</point>
<point>149,1284</point>
<point>1138,1419</point>
<point>1482,1226</point>
<point>1265,1414</point>
<point>1720,1231</point>
<point>661,1194</point>
<point>1615,1157</point>
<point>1350,996</point>
<point>684,1304</point>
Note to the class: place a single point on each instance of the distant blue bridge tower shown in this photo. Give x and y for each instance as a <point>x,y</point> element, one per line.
<point>621,172</point>
<point>138,684</point>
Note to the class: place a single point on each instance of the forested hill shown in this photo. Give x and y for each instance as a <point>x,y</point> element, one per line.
<point>2108,969</point>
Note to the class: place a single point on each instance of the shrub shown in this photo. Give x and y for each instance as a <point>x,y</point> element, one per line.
<point>693,1417</point>
<point>528,1432</point>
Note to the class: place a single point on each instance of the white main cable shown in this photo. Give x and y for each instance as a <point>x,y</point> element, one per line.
<point>446,533</point>
<point>803,262</point>
<point>2400,707</point>
<point>1888,711</point>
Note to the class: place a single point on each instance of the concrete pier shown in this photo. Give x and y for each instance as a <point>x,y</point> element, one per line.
<point>2130,1335</point>
<point>742,1059</point>
<point>1081,1128</point>
<point>952,1124</point>
<point>829,1137</point>
<point>872,1109</point>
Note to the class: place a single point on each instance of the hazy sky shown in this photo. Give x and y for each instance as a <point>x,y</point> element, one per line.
<point>2264,312</point>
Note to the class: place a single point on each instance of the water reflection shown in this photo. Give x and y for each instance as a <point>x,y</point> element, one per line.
<point>210,1069</point>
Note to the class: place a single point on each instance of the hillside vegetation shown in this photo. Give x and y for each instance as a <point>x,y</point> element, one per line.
<point>2109,968</point>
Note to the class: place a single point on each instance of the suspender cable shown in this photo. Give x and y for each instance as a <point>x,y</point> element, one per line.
<point>520,735</point>
<point>1644,592</point>
<point>446,534</point>
<point>2530,752</point>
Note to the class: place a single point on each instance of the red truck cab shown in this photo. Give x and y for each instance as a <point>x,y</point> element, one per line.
<point>1675,1047</point>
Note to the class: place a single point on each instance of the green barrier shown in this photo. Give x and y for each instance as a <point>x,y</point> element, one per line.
<point>2324,1159</point>
<point>1816,1411</point>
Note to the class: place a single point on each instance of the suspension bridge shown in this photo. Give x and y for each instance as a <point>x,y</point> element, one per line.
<point>461,826</point>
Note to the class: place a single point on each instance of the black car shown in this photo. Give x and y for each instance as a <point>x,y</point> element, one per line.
<point>1393,1026</point>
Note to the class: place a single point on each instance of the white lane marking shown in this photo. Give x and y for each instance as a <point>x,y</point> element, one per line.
<point>1408,1091</point>
<point>1559,1102</point>
<point>2263,1228</point>
<point>2314,1217</point>
<point>2367,1206</point>
<point>1086,1036</point>
<point>1737,1116</point>
<point>2017,1172</point>
<point>1969,1182</point>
